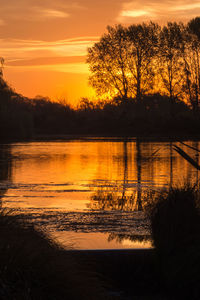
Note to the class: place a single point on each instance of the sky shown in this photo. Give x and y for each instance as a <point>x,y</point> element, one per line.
<point>44,42</point>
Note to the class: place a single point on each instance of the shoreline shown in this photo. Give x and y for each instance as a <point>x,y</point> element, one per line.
<point>104,138</point>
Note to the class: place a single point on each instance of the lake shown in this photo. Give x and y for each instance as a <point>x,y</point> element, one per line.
<point>90,193</point>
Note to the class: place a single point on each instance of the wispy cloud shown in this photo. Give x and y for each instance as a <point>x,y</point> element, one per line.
<point>189,6</point>
<point>42,61</point>
<point>51,13</point>
<point>155,9</point>
<point>66,56</point>
<point>131,10</point>
<point>135,13</point>
<point>74,68</point>
<point>39,14</point>
<point>10,48</point>
<point>33,10</point>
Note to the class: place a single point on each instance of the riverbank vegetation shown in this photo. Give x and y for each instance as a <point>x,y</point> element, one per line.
<point>147,82</point>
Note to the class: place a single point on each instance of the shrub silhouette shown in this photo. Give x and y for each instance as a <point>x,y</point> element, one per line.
<point>175,223</point>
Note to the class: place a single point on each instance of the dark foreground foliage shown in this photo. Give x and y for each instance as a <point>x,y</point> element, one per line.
<point>172,269</point>
<point>175,223</point>
<point>33,267</point>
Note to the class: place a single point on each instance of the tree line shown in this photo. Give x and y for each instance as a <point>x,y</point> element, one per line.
<point>145,72</point>
<point>25,118</point>
<point>130,62</point>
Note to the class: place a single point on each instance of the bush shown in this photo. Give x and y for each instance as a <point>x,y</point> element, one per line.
<point>175,224</point>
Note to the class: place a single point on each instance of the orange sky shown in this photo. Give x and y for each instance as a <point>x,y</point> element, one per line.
<point>44,42</point>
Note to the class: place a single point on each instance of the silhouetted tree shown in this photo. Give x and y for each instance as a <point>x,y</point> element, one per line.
<point>1,66</point>
<point>170,59</point>
<point>192,61</point>
<point>142,48</point>
<point>121,62</point>
<point>108,63</point>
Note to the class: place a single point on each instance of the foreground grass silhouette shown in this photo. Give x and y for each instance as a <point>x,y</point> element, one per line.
<point>175,225</point>
<point>33,267</point>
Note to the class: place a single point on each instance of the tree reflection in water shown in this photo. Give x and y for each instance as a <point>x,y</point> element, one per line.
<point>116,196</point>
<point>119,238</point>
<point>5,168</point>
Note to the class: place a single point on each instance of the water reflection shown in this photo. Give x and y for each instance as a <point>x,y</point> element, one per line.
<point>120,238</point>
<point>119,197</point>
<point>96,241</point>
<point>5,168</point>
<point>196,146</point>
<point>139,174</point>
<point>91,186</point>
<point>129,194</point>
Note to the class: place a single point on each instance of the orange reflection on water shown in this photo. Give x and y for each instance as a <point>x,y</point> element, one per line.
<point>68,174</point>
<point>78,240</point>
<point>88,185</point>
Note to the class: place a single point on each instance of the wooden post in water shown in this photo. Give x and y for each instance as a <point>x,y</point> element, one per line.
<point>196,146</point>
<point>171,164</point>
<point>125,179</point>
<point>139,174</point>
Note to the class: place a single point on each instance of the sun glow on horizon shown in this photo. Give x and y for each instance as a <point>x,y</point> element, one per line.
<point>55,69</point>
<point>49,39</point>
<point>55,85</point>
<point>77,68</point>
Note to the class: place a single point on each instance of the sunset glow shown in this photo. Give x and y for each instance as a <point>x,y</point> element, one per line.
<point>45,43</point>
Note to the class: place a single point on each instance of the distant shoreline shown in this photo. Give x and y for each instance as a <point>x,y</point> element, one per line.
<point>103,138</point>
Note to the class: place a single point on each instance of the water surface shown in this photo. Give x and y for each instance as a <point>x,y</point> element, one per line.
<point>90,193</point>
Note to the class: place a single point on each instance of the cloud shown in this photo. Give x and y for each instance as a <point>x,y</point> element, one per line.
<point>42,61</point>
<point>38,14</point>
<point>50,13</point>
<point>66,56</point>
<point>75,68</point>
<point>133,10</point>
<point>187,7</point>
<point>17,48</point>
<point>156,10</point>
<point>135,13</point>
<point>34,9</point>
